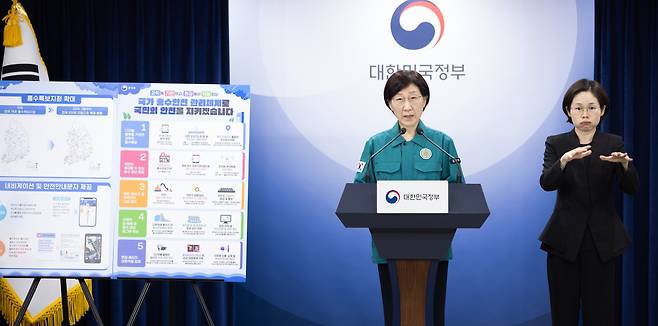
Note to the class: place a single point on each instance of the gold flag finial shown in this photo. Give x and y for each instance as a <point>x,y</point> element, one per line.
<point>12,34</point>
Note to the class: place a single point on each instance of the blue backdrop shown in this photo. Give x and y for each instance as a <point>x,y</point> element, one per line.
<point>305,268</point>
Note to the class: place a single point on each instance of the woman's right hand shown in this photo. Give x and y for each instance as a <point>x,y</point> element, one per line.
<point>575,154</point>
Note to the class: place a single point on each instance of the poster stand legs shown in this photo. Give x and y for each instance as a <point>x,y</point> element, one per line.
<point>26,303</point>
<point>90,301</point>
<point>197,291</point>
<point>138,305</point>
<point>202,303</point>
<point>65,302</point>
<point>65,310</point>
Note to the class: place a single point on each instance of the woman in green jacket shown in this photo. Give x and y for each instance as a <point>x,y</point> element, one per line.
<point>408,157</point>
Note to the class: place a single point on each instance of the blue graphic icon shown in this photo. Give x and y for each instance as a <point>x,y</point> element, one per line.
<point>3,211</point>
<point>392,196</point>
<point>161,218</point>
<point>423,34</point>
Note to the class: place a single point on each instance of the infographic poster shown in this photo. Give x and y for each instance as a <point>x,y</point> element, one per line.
<point>56,166</point>
<point>182,186</point>
<point>123,180</point>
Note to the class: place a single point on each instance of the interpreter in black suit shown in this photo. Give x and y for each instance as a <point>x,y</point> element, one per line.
<point>585,237</point>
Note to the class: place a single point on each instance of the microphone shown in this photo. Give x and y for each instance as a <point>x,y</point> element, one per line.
<point>367,177</point>
<point>453,159</point>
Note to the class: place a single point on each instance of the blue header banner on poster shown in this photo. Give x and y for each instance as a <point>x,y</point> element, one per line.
<point>51,98</point>
<point>49,186</point>
<point>21,109</point>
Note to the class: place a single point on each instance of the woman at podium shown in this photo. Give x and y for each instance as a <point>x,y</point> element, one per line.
<point>584,237</point>
<point>405,153</point>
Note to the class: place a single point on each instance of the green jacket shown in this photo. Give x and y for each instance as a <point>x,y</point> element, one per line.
<point>402,160</point>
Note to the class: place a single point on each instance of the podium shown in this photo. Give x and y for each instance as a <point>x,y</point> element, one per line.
<point>413,243</point>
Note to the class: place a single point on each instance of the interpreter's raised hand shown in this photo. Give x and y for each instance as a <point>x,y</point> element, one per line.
<point>617,157</point>
<point>575,154</point>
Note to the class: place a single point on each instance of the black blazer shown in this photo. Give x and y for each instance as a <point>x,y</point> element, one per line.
<point>584,197</point>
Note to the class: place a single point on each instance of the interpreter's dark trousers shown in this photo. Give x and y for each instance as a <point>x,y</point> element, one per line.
<point>588,283</point>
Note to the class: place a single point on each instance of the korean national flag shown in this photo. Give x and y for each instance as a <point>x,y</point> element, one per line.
<point>22,60</point>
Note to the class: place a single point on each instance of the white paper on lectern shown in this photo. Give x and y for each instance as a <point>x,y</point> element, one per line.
<point>412,196</point>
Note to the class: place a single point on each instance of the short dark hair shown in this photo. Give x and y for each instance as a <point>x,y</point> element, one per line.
<point>585,85</point>
<point>400,80</point>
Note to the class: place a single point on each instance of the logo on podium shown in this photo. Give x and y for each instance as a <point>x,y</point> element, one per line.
<point>392,197</point>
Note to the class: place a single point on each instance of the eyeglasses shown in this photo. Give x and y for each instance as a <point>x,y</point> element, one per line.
<point>414,100</point>
<point>589,109</point>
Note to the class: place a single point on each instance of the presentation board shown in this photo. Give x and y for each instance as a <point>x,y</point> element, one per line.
<point>124,180</point>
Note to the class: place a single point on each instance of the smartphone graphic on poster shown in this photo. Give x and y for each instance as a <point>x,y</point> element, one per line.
<point>93,244</point>
<point>87,212</point>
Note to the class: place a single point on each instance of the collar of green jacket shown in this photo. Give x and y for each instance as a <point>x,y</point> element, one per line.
<point>418,139</point>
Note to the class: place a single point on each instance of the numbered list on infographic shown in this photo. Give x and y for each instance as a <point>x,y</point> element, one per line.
<point>182,197</point>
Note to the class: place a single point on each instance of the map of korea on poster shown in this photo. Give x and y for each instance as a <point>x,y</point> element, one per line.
<point>123,180</point>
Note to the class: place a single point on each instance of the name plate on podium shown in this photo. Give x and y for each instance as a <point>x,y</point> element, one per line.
<point>412,196</point>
